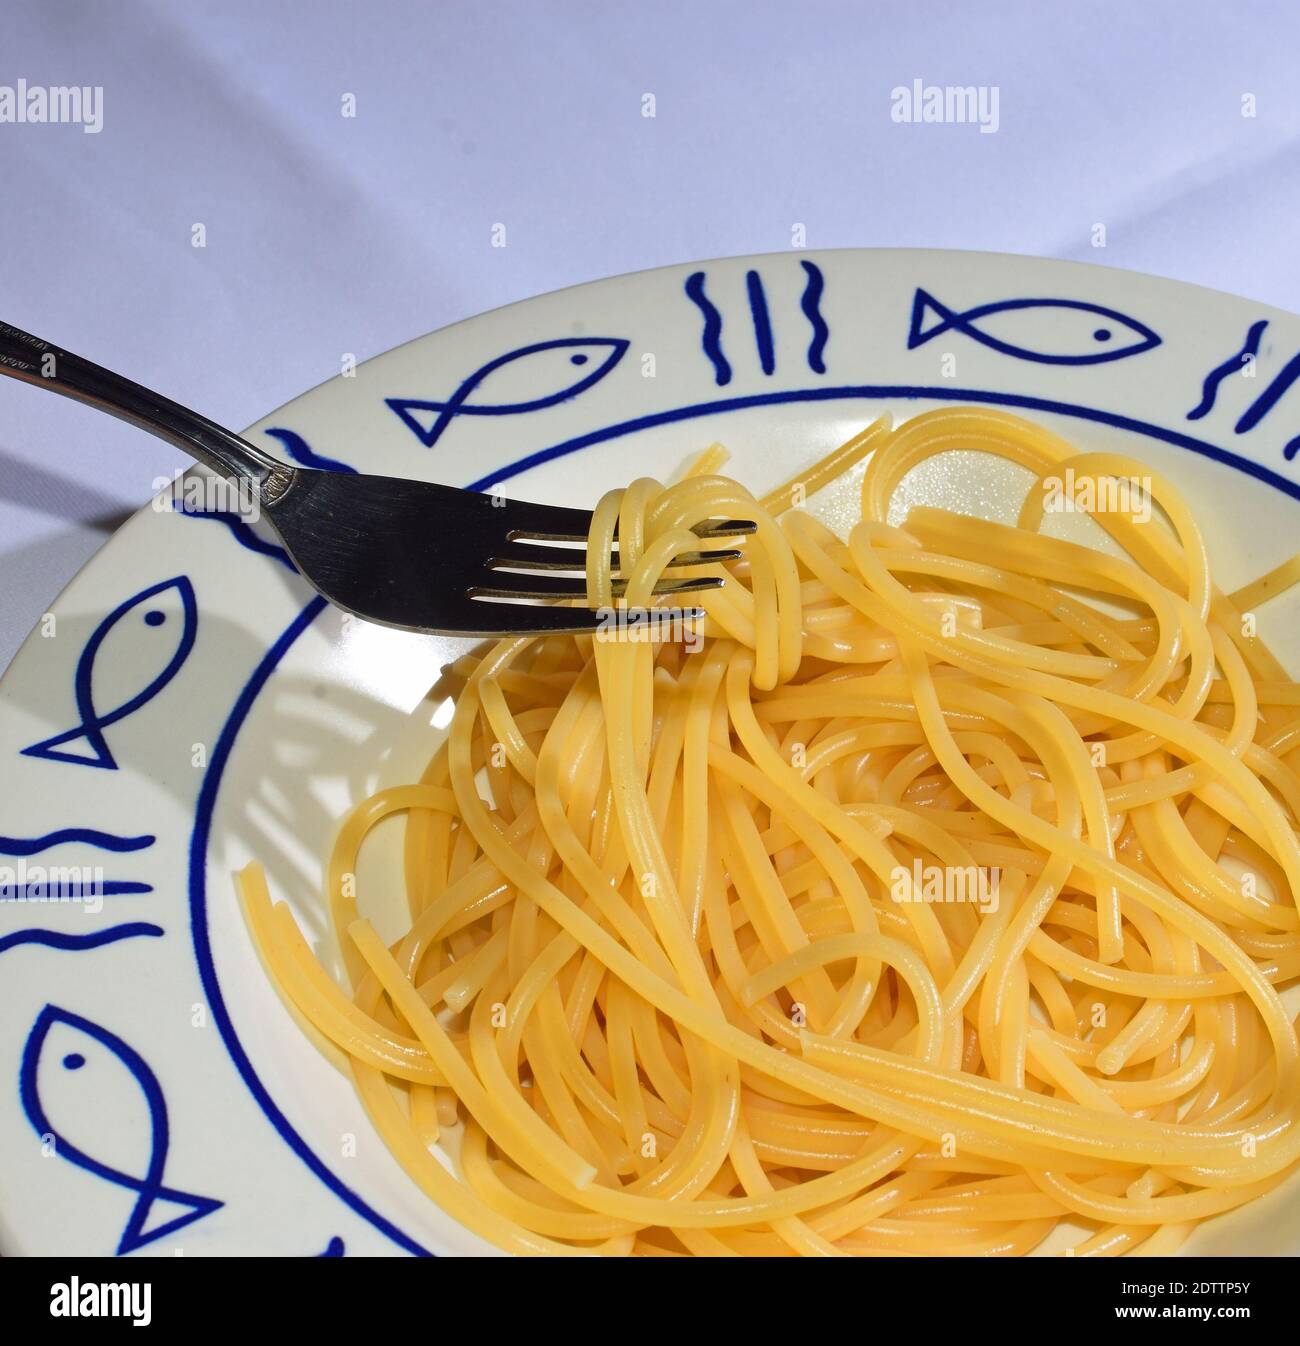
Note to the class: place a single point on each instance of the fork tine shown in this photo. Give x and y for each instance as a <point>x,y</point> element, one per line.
<point>562,523</point>
<point>485,617</point>
<point>558,523</point>
<point>530,556</point>
<point>725,528</point>
<point>394,551</point>
<point>509,584</point>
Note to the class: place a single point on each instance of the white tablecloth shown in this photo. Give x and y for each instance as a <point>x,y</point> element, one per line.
<point>328,234</point>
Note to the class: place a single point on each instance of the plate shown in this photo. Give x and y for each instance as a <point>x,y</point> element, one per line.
<point>187,704</point>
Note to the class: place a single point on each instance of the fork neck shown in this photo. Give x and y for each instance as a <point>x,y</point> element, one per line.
<point>38,362</point>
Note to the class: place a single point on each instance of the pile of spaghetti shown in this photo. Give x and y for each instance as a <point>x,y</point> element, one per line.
<point>689,970</point>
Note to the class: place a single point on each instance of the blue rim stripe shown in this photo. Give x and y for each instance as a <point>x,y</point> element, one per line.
<point>875,392</point>
<point>203,948</point>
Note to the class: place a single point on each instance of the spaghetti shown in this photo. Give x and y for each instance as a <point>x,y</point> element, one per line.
<point>940,903</point>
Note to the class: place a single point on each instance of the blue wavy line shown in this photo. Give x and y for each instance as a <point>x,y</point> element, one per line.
<point>762,322</point>
<point>1232,365</point>
<point>56,939</point>
<point>811,305</point>
<point>301,452</point>
<point>105,841</point>
<point>1269,398</point>
<point>243,534</point>
<point>712,327</point>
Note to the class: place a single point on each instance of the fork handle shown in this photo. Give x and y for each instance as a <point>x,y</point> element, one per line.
<point>25,357</point>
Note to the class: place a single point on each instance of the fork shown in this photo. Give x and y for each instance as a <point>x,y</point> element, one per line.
<point>410,554</point>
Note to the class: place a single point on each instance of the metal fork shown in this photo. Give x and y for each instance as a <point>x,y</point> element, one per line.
<point>410,554</point>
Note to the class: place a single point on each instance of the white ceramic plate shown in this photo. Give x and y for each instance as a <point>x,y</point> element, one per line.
<point>189,705</point>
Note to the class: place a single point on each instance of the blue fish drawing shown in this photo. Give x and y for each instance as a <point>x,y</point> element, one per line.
<point>566,362</point>
<point>141,614</point>
<point>90,1047</point>
<point>1081,334</point>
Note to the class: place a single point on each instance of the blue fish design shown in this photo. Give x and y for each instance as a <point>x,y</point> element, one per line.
<point>91,728</point>
<point>92,1040</point>
<point>1096,335</point>
<point>561,357</point>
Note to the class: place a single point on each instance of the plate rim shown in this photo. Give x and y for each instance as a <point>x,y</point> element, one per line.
<point>200,817</point>
<point>721,259</point>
